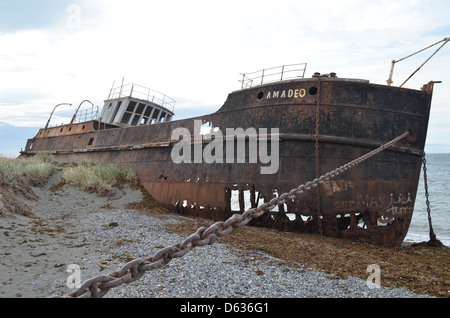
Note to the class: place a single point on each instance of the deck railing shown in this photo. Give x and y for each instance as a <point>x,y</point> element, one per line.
<point>274,74</point>
<point>141,92</point>
<point>87,114</point>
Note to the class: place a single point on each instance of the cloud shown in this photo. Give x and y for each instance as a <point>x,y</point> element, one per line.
<point>14,95</point>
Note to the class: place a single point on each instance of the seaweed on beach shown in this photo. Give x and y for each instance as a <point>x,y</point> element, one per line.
<point>417,267</point>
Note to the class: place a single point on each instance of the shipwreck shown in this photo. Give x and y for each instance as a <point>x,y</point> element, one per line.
<point>279,130</point>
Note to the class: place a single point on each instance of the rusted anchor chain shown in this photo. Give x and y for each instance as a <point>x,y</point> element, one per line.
<point>98,286</point>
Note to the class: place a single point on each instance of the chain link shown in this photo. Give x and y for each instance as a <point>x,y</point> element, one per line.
<point>425,179</point>
<point>132,271</point>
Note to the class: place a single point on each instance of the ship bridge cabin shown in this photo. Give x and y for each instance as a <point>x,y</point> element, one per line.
<point>134,105</point>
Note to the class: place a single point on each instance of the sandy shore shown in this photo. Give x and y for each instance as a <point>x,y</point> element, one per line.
<point>101,235</point>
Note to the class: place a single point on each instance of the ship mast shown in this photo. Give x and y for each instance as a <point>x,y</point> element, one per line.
<point>389,81</point>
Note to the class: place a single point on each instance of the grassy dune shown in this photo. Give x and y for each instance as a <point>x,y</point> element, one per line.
<point>98,177</point>
<point>17,171</point>
<point>19,175</point>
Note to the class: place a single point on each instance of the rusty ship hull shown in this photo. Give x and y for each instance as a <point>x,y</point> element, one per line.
<point>322,124</point>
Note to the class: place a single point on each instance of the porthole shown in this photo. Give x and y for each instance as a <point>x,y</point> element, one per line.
<point>313,90</point>
<point>260,95</point>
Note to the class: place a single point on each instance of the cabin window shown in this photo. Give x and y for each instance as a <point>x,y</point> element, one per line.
<point>157,115</point>
<point>125,118</point>
<point>131,106</point>
<point>128,113</point>
<point>140,108</point>
<point>137,114</point>
<point>91,141</point>
<point>260,95</point>
<point>135,120</point>
<point>148,112</point>
<point>146,115</point>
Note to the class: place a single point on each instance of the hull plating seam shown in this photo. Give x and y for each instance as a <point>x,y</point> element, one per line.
<point>287,137</point>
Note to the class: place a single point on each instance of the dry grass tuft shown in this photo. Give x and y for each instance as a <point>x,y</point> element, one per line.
<point>19,175</point>
<point>98,177</point>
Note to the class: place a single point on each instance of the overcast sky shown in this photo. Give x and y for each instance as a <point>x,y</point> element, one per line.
<point>55,51</point>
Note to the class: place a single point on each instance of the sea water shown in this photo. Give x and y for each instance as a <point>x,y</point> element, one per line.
<point>438,175</point>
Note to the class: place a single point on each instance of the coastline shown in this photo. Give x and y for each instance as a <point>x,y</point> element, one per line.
<point>101,234</point>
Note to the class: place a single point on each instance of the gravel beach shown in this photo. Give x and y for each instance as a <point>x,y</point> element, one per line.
<point>100,235</point>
